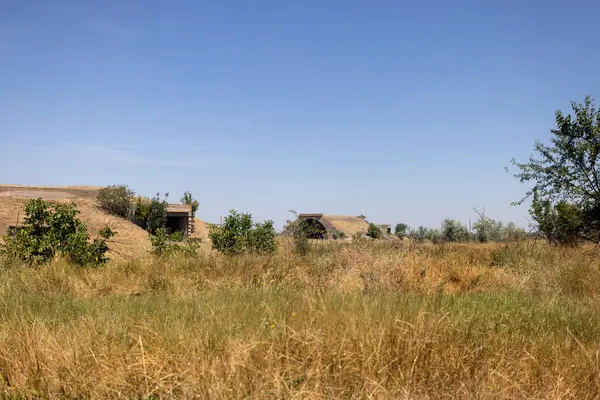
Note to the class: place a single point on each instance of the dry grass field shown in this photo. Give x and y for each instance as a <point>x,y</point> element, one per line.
<point>362,320</point>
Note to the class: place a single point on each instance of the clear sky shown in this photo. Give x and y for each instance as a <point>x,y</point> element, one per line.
<point>399,110</point>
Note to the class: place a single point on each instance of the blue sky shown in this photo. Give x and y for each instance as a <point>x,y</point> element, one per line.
<point>401,111</point>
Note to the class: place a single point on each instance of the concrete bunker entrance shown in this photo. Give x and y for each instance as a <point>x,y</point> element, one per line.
<point>177,222</point>
<point>314,229</point>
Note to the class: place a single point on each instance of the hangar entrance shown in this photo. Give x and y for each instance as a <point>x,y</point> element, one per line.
<point>314,229</point>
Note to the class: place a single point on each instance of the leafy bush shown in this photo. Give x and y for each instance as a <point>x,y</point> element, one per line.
<point>116,200</point>
<point>156,214</point>
<point>562,223</point>
<point>240,235</point>
<point>141,212</point>
<point>374,231</point>
<point>52,228</point>
<point>165,244</point>
<point>339,234</point>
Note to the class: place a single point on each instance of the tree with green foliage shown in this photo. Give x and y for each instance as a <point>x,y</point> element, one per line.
<point>240,235</point>
<point>189,199</point>
<point>423,233</point>
<point>401,230</point>
<point>300,233</point>
<point>566,174</point>
<point>487,229</point>
<point>141,212</point>
<point>561,223</point>
<point>116,200</point>
<point>157,214</point>
<point>454,231</point>
<point>49,229</point>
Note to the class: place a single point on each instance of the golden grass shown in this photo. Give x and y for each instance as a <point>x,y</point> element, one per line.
<point>362,320</point>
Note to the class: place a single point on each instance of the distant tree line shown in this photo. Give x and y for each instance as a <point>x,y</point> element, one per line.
<point>484,230</point>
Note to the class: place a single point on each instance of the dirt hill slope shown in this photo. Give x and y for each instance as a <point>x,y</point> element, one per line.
<point>131,240</point>
<point>349,225</point>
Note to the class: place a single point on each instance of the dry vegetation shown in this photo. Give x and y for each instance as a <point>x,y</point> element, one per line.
<point>363,320</point>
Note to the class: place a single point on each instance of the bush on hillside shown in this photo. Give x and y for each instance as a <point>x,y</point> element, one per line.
<point>240,235</point>
<point>142,212</point>
<point>50,229</point>
<point>165,244</point>
<point>374,231</point>
<point>157,217</point>
<point>151,214</point>
<point>116,200</point>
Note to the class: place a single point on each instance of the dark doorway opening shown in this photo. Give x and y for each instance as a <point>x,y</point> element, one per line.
<point>313,229</point>
<point>177,222</point>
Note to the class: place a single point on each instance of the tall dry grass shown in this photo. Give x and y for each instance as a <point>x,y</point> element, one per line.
<point>367,320</point>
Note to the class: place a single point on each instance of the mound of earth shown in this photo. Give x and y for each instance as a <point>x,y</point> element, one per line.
<point>349,225</point>
<point>131,241</point>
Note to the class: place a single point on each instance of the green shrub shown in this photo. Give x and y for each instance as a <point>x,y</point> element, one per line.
<point>561,223</point>
<point>374,231</point>
<point>240,235</point>
<point>157,214</point>
<point>165,244</point>
<point>116,200</point>
<point>339,235</point>
<point>142,212</point>
<point>50,229</point>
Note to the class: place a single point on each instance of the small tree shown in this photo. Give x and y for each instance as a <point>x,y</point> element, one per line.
<point>52,228</point>
<point>566,176</point>
<point>454,231</point>
<point>189,199</point>
<point>488,229</point>
<point>116,200</point>
<point>157,214</point>
<point>562,223</point>
<point>240,235</point>
<point>299,233</point>
<point>141,212</point>
<point>401,230</point>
